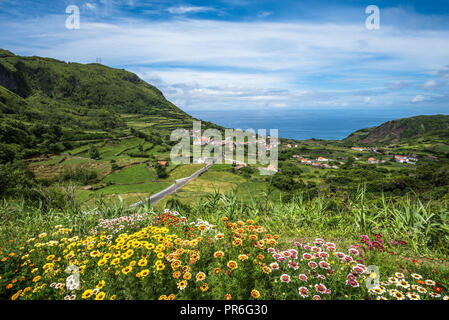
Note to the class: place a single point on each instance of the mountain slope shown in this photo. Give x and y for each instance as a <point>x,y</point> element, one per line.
<point>74,85</point>
<point>403,129</point>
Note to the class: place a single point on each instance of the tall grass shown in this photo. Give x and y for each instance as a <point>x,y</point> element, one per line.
<point>424,225</point>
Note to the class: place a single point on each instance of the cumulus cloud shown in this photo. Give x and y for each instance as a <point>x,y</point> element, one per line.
<point>205,63</point>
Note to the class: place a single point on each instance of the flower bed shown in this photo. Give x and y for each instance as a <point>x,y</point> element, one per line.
<point>168,257</point>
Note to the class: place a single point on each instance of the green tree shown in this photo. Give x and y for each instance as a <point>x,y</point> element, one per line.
<point>93,152</point>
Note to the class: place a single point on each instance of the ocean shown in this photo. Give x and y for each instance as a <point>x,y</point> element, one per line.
<point>300,124</point>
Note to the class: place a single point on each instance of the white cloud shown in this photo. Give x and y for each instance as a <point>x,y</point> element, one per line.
<point>90,6</point>
<point>430,84</point>
<point>264,14</point>
<point>188,9</point>
<point>418,98</point>
<point>205,63</point>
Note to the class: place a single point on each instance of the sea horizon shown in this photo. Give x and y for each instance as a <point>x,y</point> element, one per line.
<point>303,124</point>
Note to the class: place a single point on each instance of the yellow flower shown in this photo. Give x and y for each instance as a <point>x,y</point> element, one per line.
<point>87,294</point>
<point>187,276</point>
<point>101,284</point>
<point>113,297</point>
<point>50,257</point>
<point>266,269</point>
<point>127,270</point>
<point>102,262</point>
<point>232,265</point>
<point>218,254</point>
<point>243,257</point>
<point>94,253</point>
<point>204,287</point>
<point>182,284</point>
<point>145,273</point>
<point>100,296</point>
<point>163,297</point>
<point>142,262</point>
<point>255,294</point>
<point>37,278</point>
<point>200,276</point>
<point>160,267</point>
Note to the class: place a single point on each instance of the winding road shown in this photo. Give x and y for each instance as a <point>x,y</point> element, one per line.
<point>174,187</point>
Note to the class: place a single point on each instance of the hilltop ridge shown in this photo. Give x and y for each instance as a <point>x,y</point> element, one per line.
<point>403,129</point>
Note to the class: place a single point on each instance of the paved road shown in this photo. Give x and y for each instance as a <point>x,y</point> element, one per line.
<point>174,187</point>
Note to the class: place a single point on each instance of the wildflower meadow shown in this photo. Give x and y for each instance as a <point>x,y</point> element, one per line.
<point>166,256</point>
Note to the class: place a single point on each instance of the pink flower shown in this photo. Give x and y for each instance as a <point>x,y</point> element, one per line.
<point>352,282</point>
<point>303,292</point>
<point>285,278</point>
<point>307,256</point>
<point>320,288</point>
<point>302,277</point>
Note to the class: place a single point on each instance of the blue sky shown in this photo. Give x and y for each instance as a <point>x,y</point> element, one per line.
<point>244,54</point>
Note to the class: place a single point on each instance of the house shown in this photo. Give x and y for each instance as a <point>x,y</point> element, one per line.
<point>358,149</point>
<point>321,159</point>
<point>400,159</point>
<point>163,163</point>
<point>306,161</point>
<point>201,141</point>
<point>372,161</point>
<point>289,145</point>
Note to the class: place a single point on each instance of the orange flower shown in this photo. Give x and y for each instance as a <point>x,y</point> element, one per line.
<point>255,294</point>
<point>228,296</point>
<point>438,289</point>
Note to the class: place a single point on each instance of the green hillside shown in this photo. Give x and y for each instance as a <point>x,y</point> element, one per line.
<point>74,85</point>
<point>45,102</point>
<point>436,126</point>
